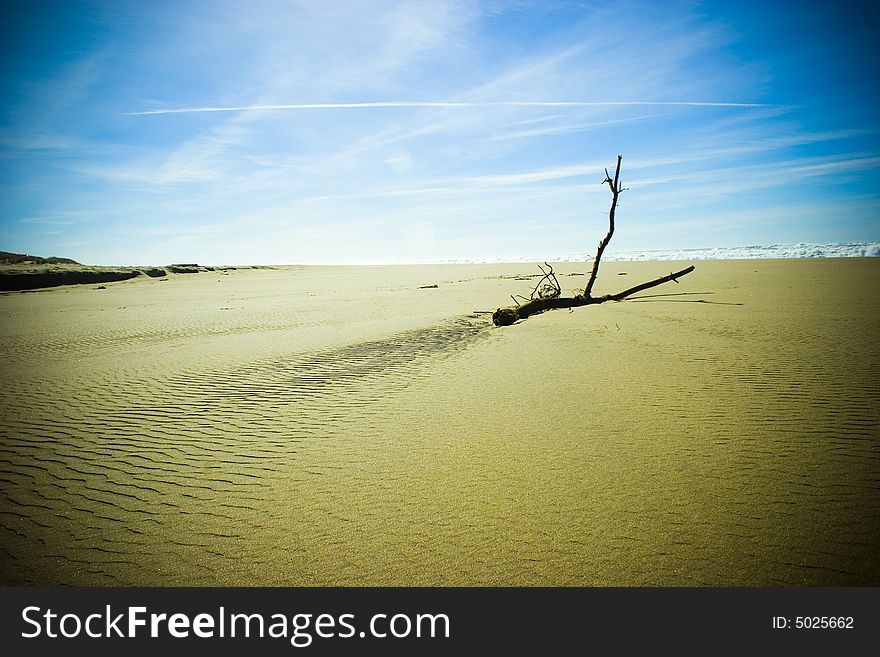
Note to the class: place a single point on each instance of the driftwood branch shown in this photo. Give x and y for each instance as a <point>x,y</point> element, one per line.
<point>620,296</point>
<point>614,185</point>
<point>507,316</point>
<point>547,293</point>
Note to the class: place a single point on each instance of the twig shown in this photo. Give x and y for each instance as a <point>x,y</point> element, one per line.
<point>549,290</point>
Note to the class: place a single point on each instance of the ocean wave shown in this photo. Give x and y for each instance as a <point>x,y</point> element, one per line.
<point>800,250</point>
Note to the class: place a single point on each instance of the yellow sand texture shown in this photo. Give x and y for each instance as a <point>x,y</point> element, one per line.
<point>330,426</point>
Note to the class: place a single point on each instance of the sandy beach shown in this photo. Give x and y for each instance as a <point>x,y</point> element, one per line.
<point>350,426</point>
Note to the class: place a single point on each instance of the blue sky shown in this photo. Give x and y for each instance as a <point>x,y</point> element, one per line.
<point>362,132</point>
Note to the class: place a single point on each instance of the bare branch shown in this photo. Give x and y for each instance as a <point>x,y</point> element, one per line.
<point>507,316</point>
<point>614,185</point>
<point>620,296</point>
<point>546,294</point>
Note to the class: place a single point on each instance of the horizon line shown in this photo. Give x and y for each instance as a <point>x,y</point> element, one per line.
<point>450,104</point>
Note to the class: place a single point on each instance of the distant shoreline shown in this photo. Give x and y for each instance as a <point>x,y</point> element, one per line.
<point>754,252</point>
<point>30,277</point>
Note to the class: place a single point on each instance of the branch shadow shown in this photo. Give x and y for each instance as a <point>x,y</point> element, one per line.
<point>647,298</point>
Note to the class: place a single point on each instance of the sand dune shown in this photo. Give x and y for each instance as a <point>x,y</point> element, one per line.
<point>347,426</point>
<point>20,272</point>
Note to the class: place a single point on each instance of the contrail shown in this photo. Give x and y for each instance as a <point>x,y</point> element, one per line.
<point>504,103</point>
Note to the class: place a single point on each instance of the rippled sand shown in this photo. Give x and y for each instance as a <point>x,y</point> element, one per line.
<point>342,426</point>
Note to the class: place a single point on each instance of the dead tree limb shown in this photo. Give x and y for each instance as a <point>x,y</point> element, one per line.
<point>620,296</point>
<point>614,185</point>
<point>547,296</point>
<point>507,316</point>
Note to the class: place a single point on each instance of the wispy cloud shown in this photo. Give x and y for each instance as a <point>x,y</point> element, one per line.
<point>447,104</point>
<point>569,128</point>
<point>296,131</point>
<point>53,220</point>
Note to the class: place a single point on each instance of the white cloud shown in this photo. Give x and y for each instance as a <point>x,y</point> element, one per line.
<point>450,104</point>
<point>237,121</point>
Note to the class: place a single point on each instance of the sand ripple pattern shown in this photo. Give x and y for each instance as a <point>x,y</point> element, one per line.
<point>790,422</point>
<point>98,338</point>
<point>94,481</point>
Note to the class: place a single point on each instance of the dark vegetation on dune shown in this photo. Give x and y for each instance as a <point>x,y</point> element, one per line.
<point>26,272</point>
<point>7,258</point>
<point>19,271</point>
<point>34,280</point>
